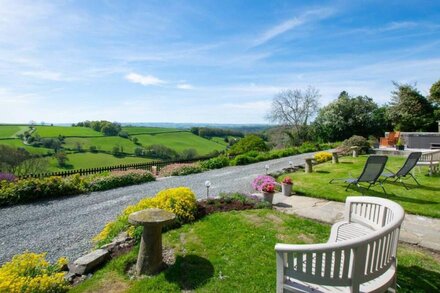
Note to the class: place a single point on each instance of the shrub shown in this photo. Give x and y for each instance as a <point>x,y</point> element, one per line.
<point>308,147</point>
<point>93,149</point>
<point>158,151</point>
<point>215,163</point>
<point>181,201</point>
<point>180,169</point>
<point>243,160</point>
<point>188,154</point>
<point>30,272</point>
<point>120,179</point>
<point>36,188</point>
<point>322,157</point>
<point>123,134</point>
<point>358,141</point>
<point>249,143</point>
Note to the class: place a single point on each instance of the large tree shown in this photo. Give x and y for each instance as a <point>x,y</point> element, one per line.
<point>293,109</point>
<point>434,93</point>
<point>409,110</point>
<point>348,116</point>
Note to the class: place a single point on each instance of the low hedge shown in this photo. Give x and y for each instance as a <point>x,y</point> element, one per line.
<point>24,190</point>
<point>254,157</point>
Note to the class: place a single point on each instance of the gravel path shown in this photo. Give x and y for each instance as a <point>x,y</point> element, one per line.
<point>65,226</point>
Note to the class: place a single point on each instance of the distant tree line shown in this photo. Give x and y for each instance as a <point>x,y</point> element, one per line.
<point>207,132</point>
<point>408,110</point>
<point>106,127</point>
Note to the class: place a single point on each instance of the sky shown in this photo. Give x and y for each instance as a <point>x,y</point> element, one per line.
<point>205,61</point>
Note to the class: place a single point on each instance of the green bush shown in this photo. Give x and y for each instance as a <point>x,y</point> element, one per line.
<point>120,179</point>
<point>215,163</point>
<point>243,160</point>
<point>249,143</point>
<point>308,147</point>
<point>358,141</point>
<point>37,188</point>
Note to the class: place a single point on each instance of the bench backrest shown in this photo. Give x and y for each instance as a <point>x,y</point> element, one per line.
<point>430,157</point>
<point>350,262</point>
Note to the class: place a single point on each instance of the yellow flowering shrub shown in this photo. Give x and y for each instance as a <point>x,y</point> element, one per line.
<point>31,273</point>
<point>181,201</point>
<point>322,157</point>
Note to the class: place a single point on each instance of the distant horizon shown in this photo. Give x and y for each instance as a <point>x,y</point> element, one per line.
<point>205,61</point>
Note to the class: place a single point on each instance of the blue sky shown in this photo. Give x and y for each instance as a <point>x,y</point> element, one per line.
<point>205,61</point>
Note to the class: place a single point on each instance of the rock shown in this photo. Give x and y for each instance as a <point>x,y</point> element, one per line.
<point>69,277</point>
<point>88,262</point>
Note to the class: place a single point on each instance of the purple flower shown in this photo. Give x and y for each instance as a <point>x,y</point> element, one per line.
<point>261,181</point>
<point>7,176</point>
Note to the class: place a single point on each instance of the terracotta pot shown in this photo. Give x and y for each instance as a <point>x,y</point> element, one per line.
<point>287,189</point>
<point>268,196</point>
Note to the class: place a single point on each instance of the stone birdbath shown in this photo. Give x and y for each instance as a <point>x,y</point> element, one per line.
<point>149,260</point>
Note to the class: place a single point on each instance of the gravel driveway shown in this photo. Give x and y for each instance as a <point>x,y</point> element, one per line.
<point>65,226</point>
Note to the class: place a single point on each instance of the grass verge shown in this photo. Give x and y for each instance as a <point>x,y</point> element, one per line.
<point>421,200</point>
<point>234,252</point>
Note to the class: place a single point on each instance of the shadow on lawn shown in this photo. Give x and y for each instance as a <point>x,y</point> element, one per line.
<point>417,279</point>
<point>413,186</point>
<point>190,272</point>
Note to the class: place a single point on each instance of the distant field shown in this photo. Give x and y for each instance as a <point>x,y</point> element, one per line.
<point>105,143</point>
<point>10,131</point>
<point>150,130</point>
<point>54,131</point>
<point>180,141</point>
<point>19,144</point>
<point>90,160</point>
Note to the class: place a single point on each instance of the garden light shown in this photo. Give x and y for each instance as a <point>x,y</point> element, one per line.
<point>207,184</point>
<point>267,169</point>
<point>291,164</point>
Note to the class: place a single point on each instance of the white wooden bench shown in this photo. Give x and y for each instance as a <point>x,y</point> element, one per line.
<point>430,159</point>
<point>360,255</point>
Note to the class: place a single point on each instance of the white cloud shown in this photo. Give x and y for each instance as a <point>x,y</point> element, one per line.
<point>144,79</point>
<point>185,86</point>
<point>308,16</point>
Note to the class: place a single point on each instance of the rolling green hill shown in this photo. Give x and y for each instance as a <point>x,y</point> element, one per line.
<point>11,131</point>
<point>180,141</point>
<point>15,142</point>
<point>176,139</point>
<point>90,160</point>
<point>55,131</point>
<point>134,130</point>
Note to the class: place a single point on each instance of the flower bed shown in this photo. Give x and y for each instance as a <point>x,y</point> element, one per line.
<point>24,190</point>
<point>30,272</point>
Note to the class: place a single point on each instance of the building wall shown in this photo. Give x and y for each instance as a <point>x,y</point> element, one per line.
<point>420,140</point>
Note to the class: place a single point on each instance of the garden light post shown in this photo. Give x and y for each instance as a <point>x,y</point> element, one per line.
<point>290,164</point>
<point>207,184</point>
<point>267,169</point>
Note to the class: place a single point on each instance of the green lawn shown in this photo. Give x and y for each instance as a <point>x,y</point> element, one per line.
<point>180,141</point>
<point>10,131</point>
<point>91,160</point>
<point>234,252</point>
<point>133,130</point>
<point>54,131</point>
<point>422,200</point>
<point>105,143</point>
<point>19,144</point>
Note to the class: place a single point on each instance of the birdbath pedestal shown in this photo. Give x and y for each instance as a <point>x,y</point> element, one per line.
<point>149,260</point>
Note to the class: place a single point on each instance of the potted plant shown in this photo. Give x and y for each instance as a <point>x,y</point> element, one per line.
<point>400,144</point>
<point>268,192</point>
<point>286,186</point>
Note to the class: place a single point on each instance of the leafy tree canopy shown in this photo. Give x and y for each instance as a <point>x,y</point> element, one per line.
<point>249,143</point>
<point>348,116</point>
<point>409,110</point>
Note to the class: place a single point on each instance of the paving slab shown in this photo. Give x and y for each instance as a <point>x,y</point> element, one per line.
<point>419,230</point>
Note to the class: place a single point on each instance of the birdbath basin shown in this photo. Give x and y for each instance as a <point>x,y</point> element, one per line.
<point>149,260</point>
